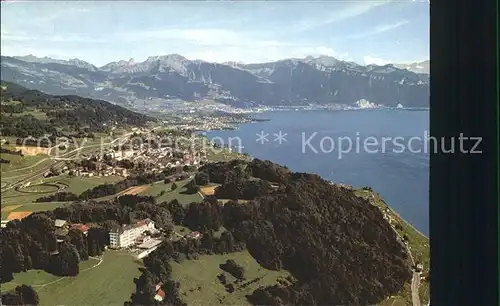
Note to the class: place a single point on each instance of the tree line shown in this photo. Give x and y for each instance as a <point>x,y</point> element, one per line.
<point>7,151</point>
<point>31,243</point>
<point>71,112</point>
<point>104,190</point>
<point>21,295</point>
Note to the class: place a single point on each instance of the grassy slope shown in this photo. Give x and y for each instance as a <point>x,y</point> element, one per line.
<point>39,278</point>
<point>170,194</point>
<point>110,283</point>
<point>419,246</point>
<point>200,286</point>
<point>33,112</point>
<point>75,184</point>
<point>17,164</point>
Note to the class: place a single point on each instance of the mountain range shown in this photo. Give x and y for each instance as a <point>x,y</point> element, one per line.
<point>418,67</point>
<point>289,82</point>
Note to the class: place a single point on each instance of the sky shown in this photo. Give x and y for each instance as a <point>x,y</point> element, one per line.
<point>366,32</point>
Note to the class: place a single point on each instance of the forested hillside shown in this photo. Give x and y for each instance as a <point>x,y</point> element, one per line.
<point>26,112</point>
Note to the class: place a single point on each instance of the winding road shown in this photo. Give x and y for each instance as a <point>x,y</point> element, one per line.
<point>60,161</point>
<point>415,280</point>
<point>415,283</point>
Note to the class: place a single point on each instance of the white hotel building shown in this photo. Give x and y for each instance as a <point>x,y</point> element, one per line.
<point>126,235</point>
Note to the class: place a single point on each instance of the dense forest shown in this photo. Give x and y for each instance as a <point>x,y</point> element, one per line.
<point>21,295</point>
<point>335,244</point>
<point>74,113</point>
<point>31,243</point>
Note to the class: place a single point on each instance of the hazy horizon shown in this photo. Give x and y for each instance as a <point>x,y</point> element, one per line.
<point>369,32</point>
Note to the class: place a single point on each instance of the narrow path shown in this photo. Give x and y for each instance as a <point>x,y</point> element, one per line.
<point>178,234</point>
<point>415,283</point>
<point>201,195</point>
<point>100,259</point>
<point>415,280</point>
<point>58,162</point>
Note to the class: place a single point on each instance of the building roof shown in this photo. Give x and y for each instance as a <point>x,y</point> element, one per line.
<point>59,223</point>
<point>148,244</point>
<point>142,222</point>
<point>123,228</point>
<point>160,295</point>
<point>194,235</point>
<point>81,227</point>
<point>61,232</point>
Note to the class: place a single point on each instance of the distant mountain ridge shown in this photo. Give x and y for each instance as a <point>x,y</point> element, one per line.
<point>288,82</point>
<point>418,67</point>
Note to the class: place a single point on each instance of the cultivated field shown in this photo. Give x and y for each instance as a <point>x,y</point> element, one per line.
<point>179,193</point>
<point>32,151</point>
<point>208,190</point>
<point>33,207</point>
<point>135,190</point>
<point>18,215</point>
<point>77,185</point>
<point>216,155</point>
<point>199,284</point>
<point>22,200</point>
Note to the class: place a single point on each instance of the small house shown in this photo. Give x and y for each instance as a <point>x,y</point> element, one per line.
<point>82,227</point>
<point>194,235</point>
<point>59,223</point>
<point>159,293</point>
<point>61,233</point>
<point>419,267</point>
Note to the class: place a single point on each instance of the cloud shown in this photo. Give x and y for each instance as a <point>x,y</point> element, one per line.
<point>380,29</point>
<point>67,38</point>
<point>370,60</point>
<point>257,54</point>
<point>388,27</point>
<point>301,52</point>
<point>350,11</point>
<point>201,37</point>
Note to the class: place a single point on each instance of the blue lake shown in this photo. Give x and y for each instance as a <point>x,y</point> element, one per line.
<point>383,149</point>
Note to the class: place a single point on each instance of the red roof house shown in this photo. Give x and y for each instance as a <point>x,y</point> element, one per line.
<point>82,227</point>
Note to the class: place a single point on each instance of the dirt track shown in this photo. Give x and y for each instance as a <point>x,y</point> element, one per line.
<point>11,208</point>
<point>135,190</point>
<point>208,190</point>
<point>32,151</point>
<point>18,215</point>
